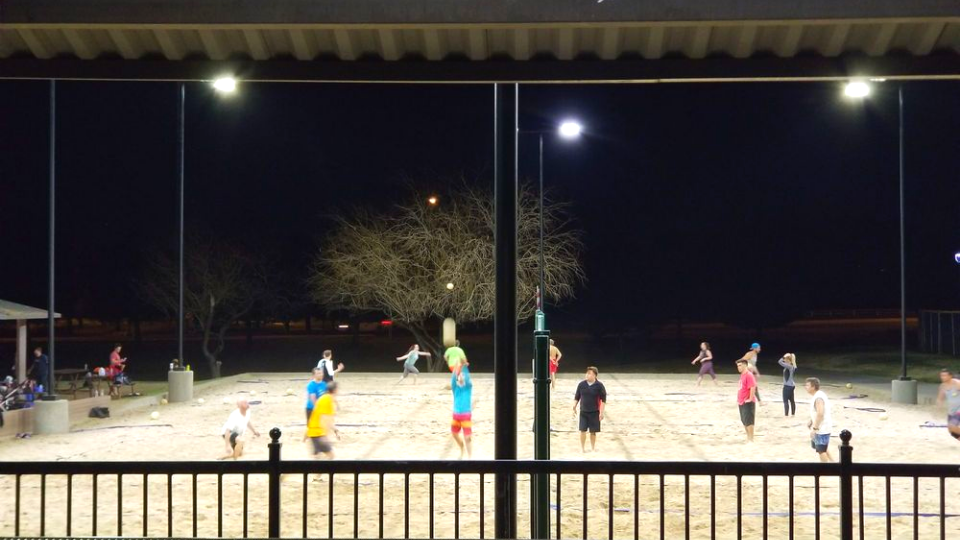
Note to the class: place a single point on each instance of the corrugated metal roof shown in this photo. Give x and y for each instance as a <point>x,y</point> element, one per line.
<point>478,42</point>
<point>12,311</point>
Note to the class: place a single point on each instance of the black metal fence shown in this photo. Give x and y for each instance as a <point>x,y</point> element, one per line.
<point>940,332</point>
<point>452,499</point>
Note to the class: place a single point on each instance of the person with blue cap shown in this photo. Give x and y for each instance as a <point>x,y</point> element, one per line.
<point>751,359</point>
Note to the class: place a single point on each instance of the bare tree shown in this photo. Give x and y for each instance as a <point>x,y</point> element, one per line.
<point>400,262</point>
<point>222,283</point>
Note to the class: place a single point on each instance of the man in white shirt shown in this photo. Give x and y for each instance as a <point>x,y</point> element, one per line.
<point>234,429</point>
<point>820,423</point>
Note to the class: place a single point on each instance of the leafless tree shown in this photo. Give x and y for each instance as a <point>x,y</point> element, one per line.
<point>222,283</point>
<point>400,262</point>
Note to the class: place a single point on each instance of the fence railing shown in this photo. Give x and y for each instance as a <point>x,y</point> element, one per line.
<point>452,499</point>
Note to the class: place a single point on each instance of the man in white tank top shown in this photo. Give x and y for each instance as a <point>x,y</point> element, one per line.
<point>820,423</point>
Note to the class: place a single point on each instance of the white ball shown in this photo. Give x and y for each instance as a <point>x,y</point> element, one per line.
<point>289,391</point>
<point>449,286</point>
<point>849,385</point>
<point>200,401</point>
<point>253,392</point>
<point>154,415</point>
<point>163,401</point>
<point>883,416</point>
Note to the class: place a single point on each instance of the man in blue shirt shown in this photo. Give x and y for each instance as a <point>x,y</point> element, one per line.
<point>462,407</point>
<point>315,388</point>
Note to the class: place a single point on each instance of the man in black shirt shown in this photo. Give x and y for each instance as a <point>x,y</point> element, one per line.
<point>591,396</point>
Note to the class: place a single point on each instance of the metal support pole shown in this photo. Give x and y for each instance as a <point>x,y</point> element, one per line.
<point>181,158</point>
<point>543,289</point>
<point>541,434</point>
<point>846,487</point>
<point>505,320</point>
<point>903,257</point>
<point>51,391</point>
<point>273,495</point>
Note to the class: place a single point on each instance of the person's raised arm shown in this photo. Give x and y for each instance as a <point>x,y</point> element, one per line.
<point>404,357</point>
<point>783,363</point>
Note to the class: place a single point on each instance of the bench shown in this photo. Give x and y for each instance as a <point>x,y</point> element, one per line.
<point>116,389</point>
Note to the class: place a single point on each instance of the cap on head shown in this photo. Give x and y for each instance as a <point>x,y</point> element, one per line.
<point>755,346</point>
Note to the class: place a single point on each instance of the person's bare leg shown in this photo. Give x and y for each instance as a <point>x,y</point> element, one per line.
<point>583,442</point>
<point>593,442</point>
<point>553,380</point>
<point>699,378</point>
<point>456,439</point>
<point>955,430</point>
<point>227,448</point>
<point>468,443</point>
<point>238,449</point>
<point>749,430</point>
<point>416,379</point>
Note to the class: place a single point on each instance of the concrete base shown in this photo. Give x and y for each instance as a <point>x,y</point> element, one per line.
<point>180,386</point>
<point>904,392</point>
<point>51,417</point>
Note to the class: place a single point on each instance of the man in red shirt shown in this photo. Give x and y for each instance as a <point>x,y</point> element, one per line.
<point>746,397</point>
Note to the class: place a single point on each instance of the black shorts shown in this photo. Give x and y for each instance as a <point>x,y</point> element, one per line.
<point>233,439</point>
<point>590,421</point>
<point>747,413</point>
<point>321,444</point>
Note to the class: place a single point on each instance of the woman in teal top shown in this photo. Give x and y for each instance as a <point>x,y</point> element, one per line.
<point>410,365</point>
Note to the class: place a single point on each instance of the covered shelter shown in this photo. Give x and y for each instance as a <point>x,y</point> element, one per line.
<point>12,311</point>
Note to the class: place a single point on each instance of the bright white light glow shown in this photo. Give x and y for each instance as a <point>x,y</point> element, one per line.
<point>857,89</point>
<point>449,286</point>
<point>956,257</point>
<point>570,130</point>
<point>225,84</point>
<point>343,326</point>
<point>433,201</point>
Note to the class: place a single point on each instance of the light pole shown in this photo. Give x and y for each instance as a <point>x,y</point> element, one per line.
<point>540,495</point>
<point>904,390</point>
<point>184,382</point>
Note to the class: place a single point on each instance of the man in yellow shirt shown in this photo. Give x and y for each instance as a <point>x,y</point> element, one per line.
<point>321,423</point>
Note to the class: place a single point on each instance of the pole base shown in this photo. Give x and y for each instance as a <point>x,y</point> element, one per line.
<point>904,391</point>
<point>51,417</point>
<point>180,386</point>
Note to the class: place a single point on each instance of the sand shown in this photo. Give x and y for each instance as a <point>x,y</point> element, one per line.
<point>649,418</point>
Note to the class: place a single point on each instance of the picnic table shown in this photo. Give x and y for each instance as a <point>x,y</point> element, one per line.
<point>70,379</point>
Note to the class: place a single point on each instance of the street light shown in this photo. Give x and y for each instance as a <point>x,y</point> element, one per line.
<point>860,90</point>
<point>225,85</point>
<point>433,200</point>
<point>570,129</point>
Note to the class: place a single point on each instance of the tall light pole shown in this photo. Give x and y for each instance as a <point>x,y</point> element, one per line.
<point>904,389</point>
<point>540,494</point>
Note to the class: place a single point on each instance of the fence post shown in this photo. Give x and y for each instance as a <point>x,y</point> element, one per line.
<point>274,486</point>
<point>846,487</point>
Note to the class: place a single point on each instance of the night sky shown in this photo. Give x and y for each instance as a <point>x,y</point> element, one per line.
<point>722,202</point>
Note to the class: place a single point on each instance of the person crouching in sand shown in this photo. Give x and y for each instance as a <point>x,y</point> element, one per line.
<point>235,428</point>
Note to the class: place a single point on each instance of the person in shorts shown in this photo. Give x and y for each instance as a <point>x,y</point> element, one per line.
<point>746,398</point>
<point>820,423</point>
<point>555,356</point>
<point>591,395</point>
<point>235,428</point>
<point>706,363</point>
<point>321,423</point>
<point>462,386</point>
<point>950,392</point>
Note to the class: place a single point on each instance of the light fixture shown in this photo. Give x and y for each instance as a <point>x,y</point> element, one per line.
<point>225,85</point>
<point>570,129</point>
<point>956,257</point>
<point>433,200</point>
<point>856,89</point>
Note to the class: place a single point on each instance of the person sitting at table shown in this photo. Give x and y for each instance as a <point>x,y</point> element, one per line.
<point>117,365</point>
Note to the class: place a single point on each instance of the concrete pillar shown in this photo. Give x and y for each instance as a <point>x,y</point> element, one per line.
<point>180,386</point>
<point>21,350</point>
<point>50,417</point>
<point>904,391</point>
